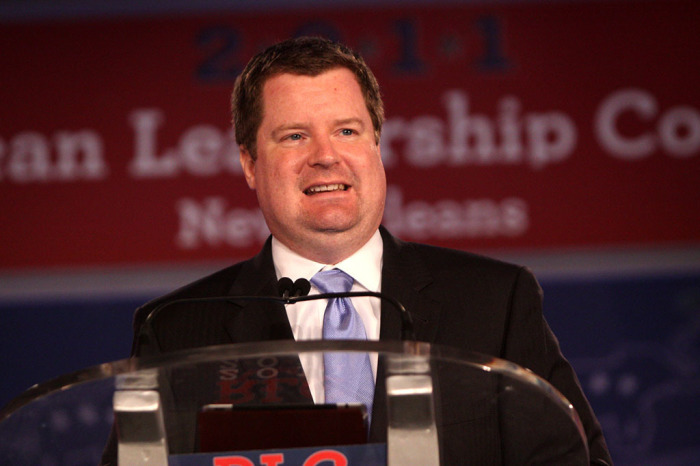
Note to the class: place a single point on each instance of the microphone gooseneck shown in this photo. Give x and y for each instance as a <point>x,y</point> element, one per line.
<point>299,291</point>
<point>290,292</point>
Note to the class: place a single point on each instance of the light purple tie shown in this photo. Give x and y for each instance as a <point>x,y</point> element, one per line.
<point>347,376</point>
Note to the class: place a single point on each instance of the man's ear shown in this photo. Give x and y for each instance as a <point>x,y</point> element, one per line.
<point>248,164</point>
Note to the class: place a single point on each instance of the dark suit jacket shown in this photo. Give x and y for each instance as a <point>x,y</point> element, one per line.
<point>455,298</point>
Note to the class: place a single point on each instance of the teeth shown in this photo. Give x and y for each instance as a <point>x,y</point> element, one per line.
<point>326,187</point>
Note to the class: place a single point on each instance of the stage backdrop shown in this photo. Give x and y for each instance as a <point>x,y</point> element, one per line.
<point>512,126</point>
<point>565,131</point>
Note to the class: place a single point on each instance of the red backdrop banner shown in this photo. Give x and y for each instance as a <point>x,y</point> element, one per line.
<point>514,126</point>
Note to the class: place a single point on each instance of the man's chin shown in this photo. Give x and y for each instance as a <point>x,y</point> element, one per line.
<point>332,229</point>
<point>332,223</point>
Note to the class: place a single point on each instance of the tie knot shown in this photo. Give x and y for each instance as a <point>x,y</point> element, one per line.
<point>332,281</point>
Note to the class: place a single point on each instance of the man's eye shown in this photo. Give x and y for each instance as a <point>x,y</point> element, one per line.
<point>294,137</point>
<point>347,132</point>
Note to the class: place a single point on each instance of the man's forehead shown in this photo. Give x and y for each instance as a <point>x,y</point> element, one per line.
<point>276,77</point>
<point>305,73</point>
<point>278,91</point>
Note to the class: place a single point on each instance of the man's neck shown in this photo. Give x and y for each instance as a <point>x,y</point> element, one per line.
<point>330,250</point>
<point>289,263</point>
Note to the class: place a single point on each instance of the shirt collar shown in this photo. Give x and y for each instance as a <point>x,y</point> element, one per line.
<point>365,265</point>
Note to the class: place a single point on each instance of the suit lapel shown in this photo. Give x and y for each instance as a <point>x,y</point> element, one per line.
<point>405,278</point>
<point>258,320</point>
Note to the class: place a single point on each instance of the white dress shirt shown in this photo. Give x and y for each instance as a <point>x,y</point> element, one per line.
<point>306,318</point>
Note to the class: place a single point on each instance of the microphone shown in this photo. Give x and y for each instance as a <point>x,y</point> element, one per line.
<point>303,286</point>
<point>285,287</point>
<point>299,290</point>
<point>288,289</point>
<point>289,293</point>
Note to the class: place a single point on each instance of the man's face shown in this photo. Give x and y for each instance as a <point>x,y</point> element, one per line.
<point>318,175</point>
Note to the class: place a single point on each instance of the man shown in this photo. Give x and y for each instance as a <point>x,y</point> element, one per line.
<point>308,117</point>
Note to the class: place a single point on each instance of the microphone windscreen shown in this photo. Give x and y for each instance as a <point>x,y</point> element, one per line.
<point>285,287</point>
<point>301,287</point>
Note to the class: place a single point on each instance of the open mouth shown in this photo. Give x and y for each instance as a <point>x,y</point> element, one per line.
<point>325,188</point>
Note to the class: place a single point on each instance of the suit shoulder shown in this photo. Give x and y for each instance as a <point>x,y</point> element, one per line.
<point>471,271</point>
<point>428,263</point>
<point>452,260</point>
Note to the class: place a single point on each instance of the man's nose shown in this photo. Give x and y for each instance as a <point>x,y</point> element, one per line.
<point>323,152</point>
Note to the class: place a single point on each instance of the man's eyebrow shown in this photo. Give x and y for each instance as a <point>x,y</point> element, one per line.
<point>349,121</point>
<point>287,127</point>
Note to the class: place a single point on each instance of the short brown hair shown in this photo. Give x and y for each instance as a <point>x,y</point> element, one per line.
<point>308,56</point>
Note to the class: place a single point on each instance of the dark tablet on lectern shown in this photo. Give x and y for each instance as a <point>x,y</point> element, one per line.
<point>224,427</point>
